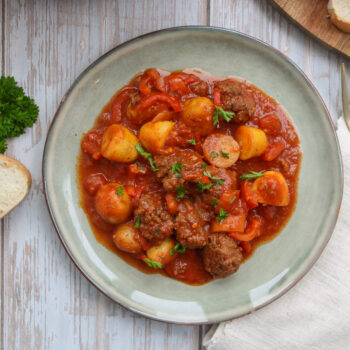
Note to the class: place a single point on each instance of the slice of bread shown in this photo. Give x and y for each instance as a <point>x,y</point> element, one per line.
<point>339,11</point>
<point>15,182</point>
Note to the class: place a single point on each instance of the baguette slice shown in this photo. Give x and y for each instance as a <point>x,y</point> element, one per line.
<point>15,182</point>
<point>339,11</point>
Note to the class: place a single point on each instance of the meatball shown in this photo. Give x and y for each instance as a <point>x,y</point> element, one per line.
<point>155,221</point>
<point>191,229</point>
<point>191,169</point>
<point>229,183</point>
<point>234,98</point>
<point>221,256</point>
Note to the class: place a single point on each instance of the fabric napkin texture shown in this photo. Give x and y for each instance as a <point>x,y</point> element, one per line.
<point>315,314</point>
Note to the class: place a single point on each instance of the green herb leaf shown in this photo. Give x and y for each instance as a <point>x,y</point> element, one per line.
<point>208,174</point>
<point>138,222</point>
<point>192,141</point>
<point>201,186</point>
<point>146,155</point>
<point>204,165</point>
<point>178,248</point>
<point>154,264</point>
<point>17,111</point>
<point>224,155</point>
<point>120,191</point>
<point>199,211</point>
<point>251,175</point>
<point>214,155</point>
<point>219,182</point>
<point>222,215</point>
<point>233,199</point>
<point>176,168</point>
<point>215,202</point>
<point>222,114</point>
<point>180,192</point>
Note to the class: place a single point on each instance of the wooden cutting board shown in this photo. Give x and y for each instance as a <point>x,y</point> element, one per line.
<point>312,15</point>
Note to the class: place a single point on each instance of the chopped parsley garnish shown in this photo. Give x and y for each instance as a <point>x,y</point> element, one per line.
<point>146,155</point>
<point>204,165</point>
<point>233,199</point>
<point>176,168</point>
<point>199,211</point>
<point>154,264</point>
<point>251,175</point>
<point>214,155</point>
<point>222,215</point>
<point>180,192</point>
<point>202,186</point>
<point>120,191</point>
<point>222,114</point>
<point>192,141</point>
<point>215,202</point>
<point>219,182</point>
<point>17,111</point>
<point>178,248</point>
<point>224,154</point>
<point>138,222</point>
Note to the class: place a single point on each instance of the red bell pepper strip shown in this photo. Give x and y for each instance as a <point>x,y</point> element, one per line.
<point>157,79</point>
<point>144,87</point>
<point>176,84</point>
<point>249,195</point>
<point>251,231</point>
<point>116,106</point>
<point>217,97</point>
<point>273,150</point>
<point>160,97</point>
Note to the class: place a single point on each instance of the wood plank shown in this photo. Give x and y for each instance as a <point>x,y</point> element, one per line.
<point>260,19</point>
<point>47,303</point>
<point>314,18</point>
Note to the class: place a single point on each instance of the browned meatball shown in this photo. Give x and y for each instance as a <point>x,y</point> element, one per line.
<point>201,88</point>
<point>191,229</point>
<point>155,221</point>
<point>221,256</point>
<point>234,98</point>
<point>229,183</point>
<point>191,169</point>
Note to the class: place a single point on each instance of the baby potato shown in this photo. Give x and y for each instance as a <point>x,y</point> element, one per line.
<point>118,144</point>
<point>113,204</point>
<point>153,135</point>
<point>197,113</point>
<point>272,189</point>
<point>161,252</point>
<point>221,150</point>
<point>124,239</point>
<point>253,141</point>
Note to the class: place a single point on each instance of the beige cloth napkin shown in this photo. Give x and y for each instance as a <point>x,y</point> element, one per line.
<point>315,314</point>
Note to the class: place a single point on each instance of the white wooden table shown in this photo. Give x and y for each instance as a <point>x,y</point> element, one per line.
<point>45,302</point>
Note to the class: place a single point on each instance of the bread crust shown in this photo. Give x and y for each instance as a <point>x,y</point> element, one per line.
<point>336,20</point>
<point>11,162</point>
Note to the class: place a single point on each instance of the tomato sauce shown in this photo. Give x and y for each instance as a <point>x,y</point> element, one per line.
<point>187,267</point>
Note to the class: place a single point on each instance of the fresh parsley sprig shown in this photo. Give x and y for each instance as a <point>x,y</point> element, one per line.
<point>224,154</point>
<point>219,112</point>
<point>201,186</point>
<point>176,168</point>
<point>192,141</point>
<point>251,175</point>
<point>222,215</point>
<point>138,222</point>
<point>180,192</point>
<point>17,111</point>
<point>154,264</point>
<point>178,248</point>
<point>146,155</point>
<point>120,190</point>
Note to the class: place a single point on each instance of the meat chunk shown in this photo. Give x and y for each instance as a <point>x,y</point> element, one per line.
<point>221,256</point>
<point>200,88</point>
<point>234,98</point>
<point>155,221</point>
<point>191,229</point>
<point>191,168</point>
<point>215,191</point>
